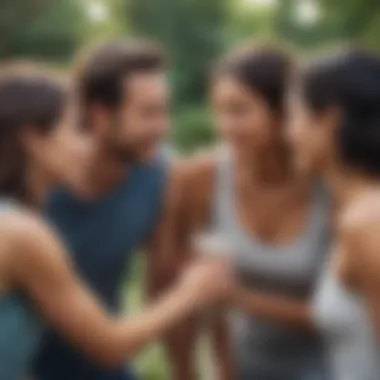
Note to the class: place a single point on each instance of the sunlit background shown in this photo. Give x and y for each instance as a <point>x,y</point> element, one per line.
<point>194,33</point>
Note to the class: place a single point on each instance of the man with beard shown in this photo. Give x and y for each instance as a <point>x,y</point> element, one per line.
<point>127,196</point>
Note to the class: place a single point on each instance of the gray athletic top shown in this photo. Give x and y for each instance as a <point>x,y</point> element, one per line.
<point>264,350</point>
<point>341,315</point>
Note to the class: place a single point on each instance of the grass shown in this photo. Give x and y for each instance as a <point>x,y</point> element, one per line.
<point>151,363</point>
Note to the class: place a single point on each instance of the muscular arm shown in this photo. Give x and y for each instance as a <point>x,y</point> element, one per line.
<point>359,266</point>
<point>39,267</point>
<point>288,312</point>
<point>221,346</point>
<point>274,308</point>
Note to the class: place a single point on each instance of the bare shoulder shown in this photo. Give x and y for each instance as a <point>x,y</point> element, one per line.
<point>177,172</point>
<point>361,219</point>
<point>202,164</point>
<point>195,178</point>
<point>31,237</point>
<point>14,232</point>
<point>200,171</point>
<point>27,243</point>
<point>192,176</point>
<point>359,234</point>
<point>20,225</point>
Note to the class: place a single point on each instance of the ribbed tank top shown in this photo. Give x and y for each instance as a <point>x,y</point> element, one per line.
<point>264,350</point>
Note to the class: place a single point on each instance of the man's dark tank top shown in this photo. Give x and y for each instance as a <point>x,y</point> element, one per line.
<point>102,237</point>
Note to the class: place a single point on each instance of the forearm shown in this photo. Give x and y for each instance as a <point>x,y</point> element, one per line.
<point>179,341</point>
<point>222,349</point>
<point>180,344</point>
<point>278,309</point>
<point>112,342</point>
<point>134,334</point>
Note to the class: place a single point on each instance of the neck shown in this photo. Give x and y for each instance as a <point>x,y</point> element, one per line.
<point>103,173</point>
<point>269,167</point>
<point>39,185</point>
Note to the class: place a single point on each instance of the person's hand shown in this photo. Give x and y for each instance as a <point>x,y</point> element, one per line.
<point>211,245</point>
<point>232,293</point>
<point>206,281</point>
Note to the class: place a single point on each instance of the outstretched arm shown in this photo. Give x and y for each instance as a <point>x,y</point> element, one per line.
<point>359,259</point>
<point>222,349</point>
<point>287,311</point>
<point>40,267</point>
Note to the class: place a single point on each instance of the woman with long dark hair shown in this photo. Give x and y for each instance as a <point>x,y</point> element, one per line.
<point>41,146</point>
<point>335,131</point>
<point>275,221</point>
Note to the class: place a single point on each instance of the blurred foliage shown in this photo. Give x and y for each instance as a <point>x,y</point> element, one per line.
<point>151,363</point>
<point>41,29</point>
<point>335,21</point>
<point>192,31</point>
<point>193,129</point>
<point>15,15</point>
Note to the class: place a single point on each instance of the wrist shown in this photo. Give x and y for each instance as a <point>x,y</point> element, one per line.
<point>188,297</point>
<point>233,295</point>
<point>239,295</point>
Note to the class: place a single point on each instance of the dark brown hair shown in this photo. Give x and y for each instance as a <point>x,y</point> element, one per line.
<point>264,69</point>
<point>101,75</point>
<point>350,81</point>
<point>27,100</point>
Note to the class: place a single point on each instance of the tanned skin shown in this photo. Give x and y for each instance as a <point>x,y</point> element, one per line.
<point>289,196</point>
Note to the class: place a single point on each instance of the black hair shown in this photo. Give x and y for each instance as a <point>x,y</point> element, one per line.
<point>263,69</point>
<point>351,82</point>
<point>101,76</point>
<point>26,101</point>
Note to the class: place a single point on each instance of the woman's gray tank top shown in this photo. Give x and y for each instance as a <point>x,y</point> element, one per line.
<point>341,315</point>
<point>263,350</point>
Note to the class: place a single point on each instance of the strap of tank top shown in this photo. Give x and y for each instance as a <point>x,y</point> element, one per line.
<point>322,203</point>
<point>223,188</point>
<point>321,220</point>
<point>224,195</point>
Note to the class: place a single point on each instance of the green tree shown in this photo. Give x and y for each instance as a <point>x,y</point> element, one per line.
<point>193,130</point>
<point>249,21</point>
<point>192,31</point>
<point>338,21</point>
<point>42,29</point>
<point>353,20</point>
<point>16,15</point>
